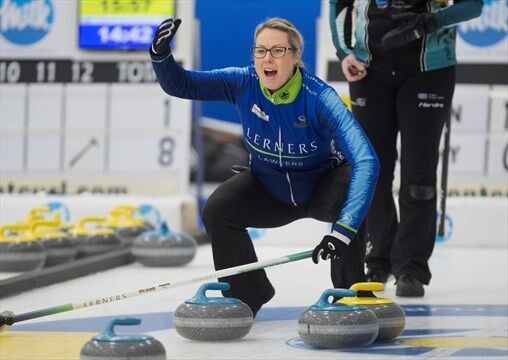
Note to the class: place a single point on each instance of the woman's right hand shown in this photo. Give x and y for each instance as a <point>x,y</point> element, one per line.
<point>353,69</point>
<point>164,35</point>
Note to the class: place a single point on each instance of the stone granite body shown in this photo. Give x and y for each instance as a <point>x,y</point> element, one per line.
<point>335,325</point>
<point>110,346</point>
<point>213,319</point>
<point>21,256</point>
<point>338,329</point>
<point>391,318</point>
<point>157,249</point>
<point>92,244</point>
<point>59,249</point>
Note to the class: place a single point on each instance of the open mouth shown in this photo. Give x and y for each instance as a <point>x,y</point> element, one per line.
<point>270,73</point>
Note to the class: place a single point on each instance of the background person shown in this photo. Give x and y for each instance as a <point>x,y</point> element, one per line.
<point>401,74</point>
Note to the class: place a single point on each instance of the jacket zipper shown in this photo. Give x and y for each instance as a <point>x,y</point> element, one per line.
<point>287,174</point>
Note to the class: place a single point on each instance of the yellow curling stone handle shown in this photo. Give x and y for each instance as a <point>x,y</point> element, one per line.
<point>46,228</point>
<point>366,286</point>
<point>81,228</point>
<point>122,216</point>
<point>22,231</point>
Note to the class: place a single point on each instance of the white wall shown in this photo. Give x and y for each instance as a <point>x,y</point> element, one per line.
<point>90,118</point>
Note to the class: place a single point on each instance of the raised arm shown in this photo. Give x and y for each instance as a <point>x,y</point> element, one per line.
<point>222,84</point>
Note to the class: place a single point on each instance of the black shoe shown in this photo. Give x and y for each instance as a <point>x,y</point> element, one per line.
<point>378,276</point>
<point>409,286</point>
<point>257,306</point>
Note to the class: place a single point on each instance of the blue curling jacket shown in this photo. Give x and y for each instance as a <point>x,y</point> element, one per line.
<point>291,145</point>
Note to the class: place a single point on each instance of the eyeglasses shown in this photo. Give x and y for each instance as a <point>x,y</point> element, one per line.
<point>276,51</point>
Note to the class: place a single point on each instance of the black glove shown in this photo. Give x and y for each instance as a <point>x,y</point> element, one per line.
<point>164,35</point>
<point>411,27</point>
<point>329,248</point>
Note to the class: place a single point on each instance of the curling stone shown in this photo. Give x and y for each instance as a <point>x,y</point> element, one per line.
<point>60,247</point>
<point>164,247</point>
<point>19,250</point>
<point>93,237</point>
<point>335,326</point>
<point>109,345</point>
<point>213,318</point>
<point>390,315</point>
<point>126,225</point>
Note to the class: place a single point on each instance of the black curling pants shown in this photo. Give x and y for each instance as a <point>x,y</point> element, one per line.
<point>416,106</point>
<point>243,201</point>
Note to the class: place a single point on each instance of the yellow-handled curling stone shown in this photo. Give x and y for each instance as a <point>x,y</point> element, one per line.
<point>390,315</point>
<point>93,237</point>
<point>128,226</point>
<point>334,326</point>
<point>20,250</point>
<point>60,247</point>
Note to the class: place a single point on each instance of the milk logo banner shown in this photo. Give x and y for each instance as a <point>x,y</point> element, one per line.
<point>26,22</point>
<point>484,39</point>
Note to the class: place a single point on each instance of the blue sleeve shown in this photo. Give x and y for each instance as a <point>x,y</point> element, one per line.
<point>461,10</point>
<point>341,26</point>
<point>221,84</point>
<point>358,151</point>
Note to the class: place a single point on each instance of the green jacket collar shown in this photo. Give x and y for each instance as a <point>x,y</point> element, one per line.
<point>286,94</point>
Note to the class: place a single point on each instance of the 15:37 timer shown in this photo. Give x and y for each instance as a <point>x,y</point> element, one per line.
<point>116,6</point>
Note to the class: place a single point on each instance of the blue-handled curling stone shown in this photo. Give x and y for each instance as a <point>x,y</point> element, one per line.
<point>213,318</point>
<point>164,247</point>
<point>335,326</point>
<point>109,345</point>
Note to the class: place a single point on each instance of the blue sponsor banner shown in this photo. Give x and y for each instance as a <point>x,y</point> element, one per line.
<point>490,28</point>
<point>26,22</point>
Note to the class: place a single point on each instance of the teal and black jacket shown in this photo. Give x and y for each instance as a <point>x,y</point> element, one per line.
<point>294,136</point>
<point>363,39</point>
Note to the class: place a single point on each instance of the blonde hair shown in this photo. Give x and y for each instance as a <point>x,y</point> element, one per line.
<point>294,36</point>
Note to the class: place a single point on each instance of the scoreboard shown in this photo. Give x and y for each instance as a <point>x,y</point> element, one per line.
<point>93,119</point>
<point>121,24</point>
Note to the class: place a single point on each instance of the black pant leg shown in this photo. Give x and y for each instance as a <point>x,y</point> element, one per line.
<point>374,100</point>
<point>241,202</point>
<point>325,205</point>
<point>424,103</point>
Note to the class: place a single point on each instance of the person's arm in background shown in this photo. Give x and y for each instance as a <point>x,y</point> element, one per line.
<point>358,151</point>
<point>414,26</point>
<point>341,26</point>
<point>341,18</point>
<point>461,10</point>
<point>221,84</point>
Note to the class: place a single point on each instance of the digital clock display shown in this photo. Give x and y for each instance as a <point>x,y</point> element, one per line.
<point>121,24</point>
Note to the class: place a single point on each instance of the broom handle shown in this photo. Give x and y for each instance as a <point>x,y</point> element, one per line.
<point>169,285</point>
